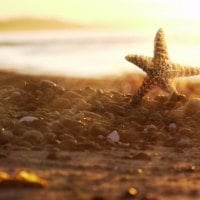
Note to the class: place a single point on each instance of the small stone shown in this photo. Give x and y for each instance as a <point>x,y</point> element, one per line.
<point>52,156</point>
<point>3,156</point>
<point>174,115</point>
<point>142,156</point>
<point>69,144</point>
<point>114,136</point>
<point>184,142</point>
<point>172,127</point>
<point>28,119</point>
<point>71,95</point>
<point>192,107</point>
<point>6,136</point>
<point>45,84</point>
<point>150,128</point>
<point>89,145</point>
<point>97,129</point>
<point>98,198</point>
<point>61,103</point>
<point>66,137</point>
<point>49,136</point>
<point>100,137</point>
<point>132,191</point>
<point>16,97</point>
<point>114,108</point>
<point>30,87</point>
<point>34,136</point>
<point>60,90</point>
<point>56,127</point>
<point>72,124</point>
<point>80,104</point>
<point>187,132</point>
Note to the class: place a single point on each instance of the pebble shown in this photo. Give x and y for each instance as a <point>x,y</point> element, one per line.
<point>150,128</point>
<point>72,124</point>
<point>114,136</point>
<point>89,145</point>
<point>16,97</point>
<point>45,84</point>
<point>184,143</point>
<point>52,156</point>
<point>66,137</point>
<point>97,129</point>
<point>192,107</point>
<point>187,132</point>
<point>172,127</point>
<point>61,103</point>
<point>31,87</point>
<point>68,144</point>
<point>6,136</point>
<point>28,119</point>
<point>142,156</point>
<point>33,136</point>
<point>175,115</point>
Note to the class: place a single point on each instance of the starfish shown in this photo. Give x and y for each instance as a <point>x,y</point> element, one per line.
<point>160,70</point>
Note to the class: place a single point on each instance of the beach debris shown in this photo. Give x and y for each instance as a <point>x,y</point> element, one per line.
<point>21,179</point>
<point>159,69</point>
<point>114,136</point>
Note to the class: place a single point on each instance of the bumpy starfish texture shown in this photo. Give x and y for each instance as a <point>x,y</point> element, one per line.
<point>160,70</point>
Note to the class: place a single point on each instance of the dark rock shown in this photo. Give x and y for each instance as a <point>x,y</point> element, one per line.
<point>31,87</point>
<point>142,156</point>
<point>71,124</point>
<point>6,137</point>
<point>61,103</point>
<point>192,107</point>
<point>52,156</point>
<point>33,136</point>
<point>97,129</point>
<point>89,145</point>
<point>69,144</point>
<point>46,84</point>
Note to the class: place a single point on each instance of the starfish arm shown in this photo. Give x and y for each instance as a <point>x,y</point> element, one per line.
<point>165,86</point>
<point>142,91</point>
<point>143,62</point>
<point>160,48</point>
<point>177,70</point>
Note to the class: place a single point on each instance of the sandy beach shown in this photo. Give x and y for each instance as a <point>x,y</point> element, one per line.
<point>86,141</point>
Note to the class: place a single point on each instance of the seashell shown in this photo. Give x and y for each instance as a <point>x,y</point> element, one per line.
<point>114,136</point>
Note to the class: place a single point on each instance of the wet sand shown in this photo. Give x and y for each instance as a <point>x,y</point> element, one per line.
<point>88,142</point>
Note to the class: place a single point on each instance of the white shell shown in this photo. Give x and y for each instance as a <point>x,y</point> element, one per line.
<point>114,136</point>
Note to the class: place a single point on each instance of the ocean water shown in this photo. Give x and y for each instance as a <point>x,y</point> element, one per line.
<point>85,53</point>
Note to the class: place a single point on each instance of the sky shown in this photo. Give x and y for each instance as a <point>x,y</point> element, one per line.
<point>180,20</point>
<point>110,13</point>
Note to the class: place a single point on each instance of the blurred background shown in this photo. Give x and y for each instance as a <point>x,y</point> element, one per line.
<point>91,38</point>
